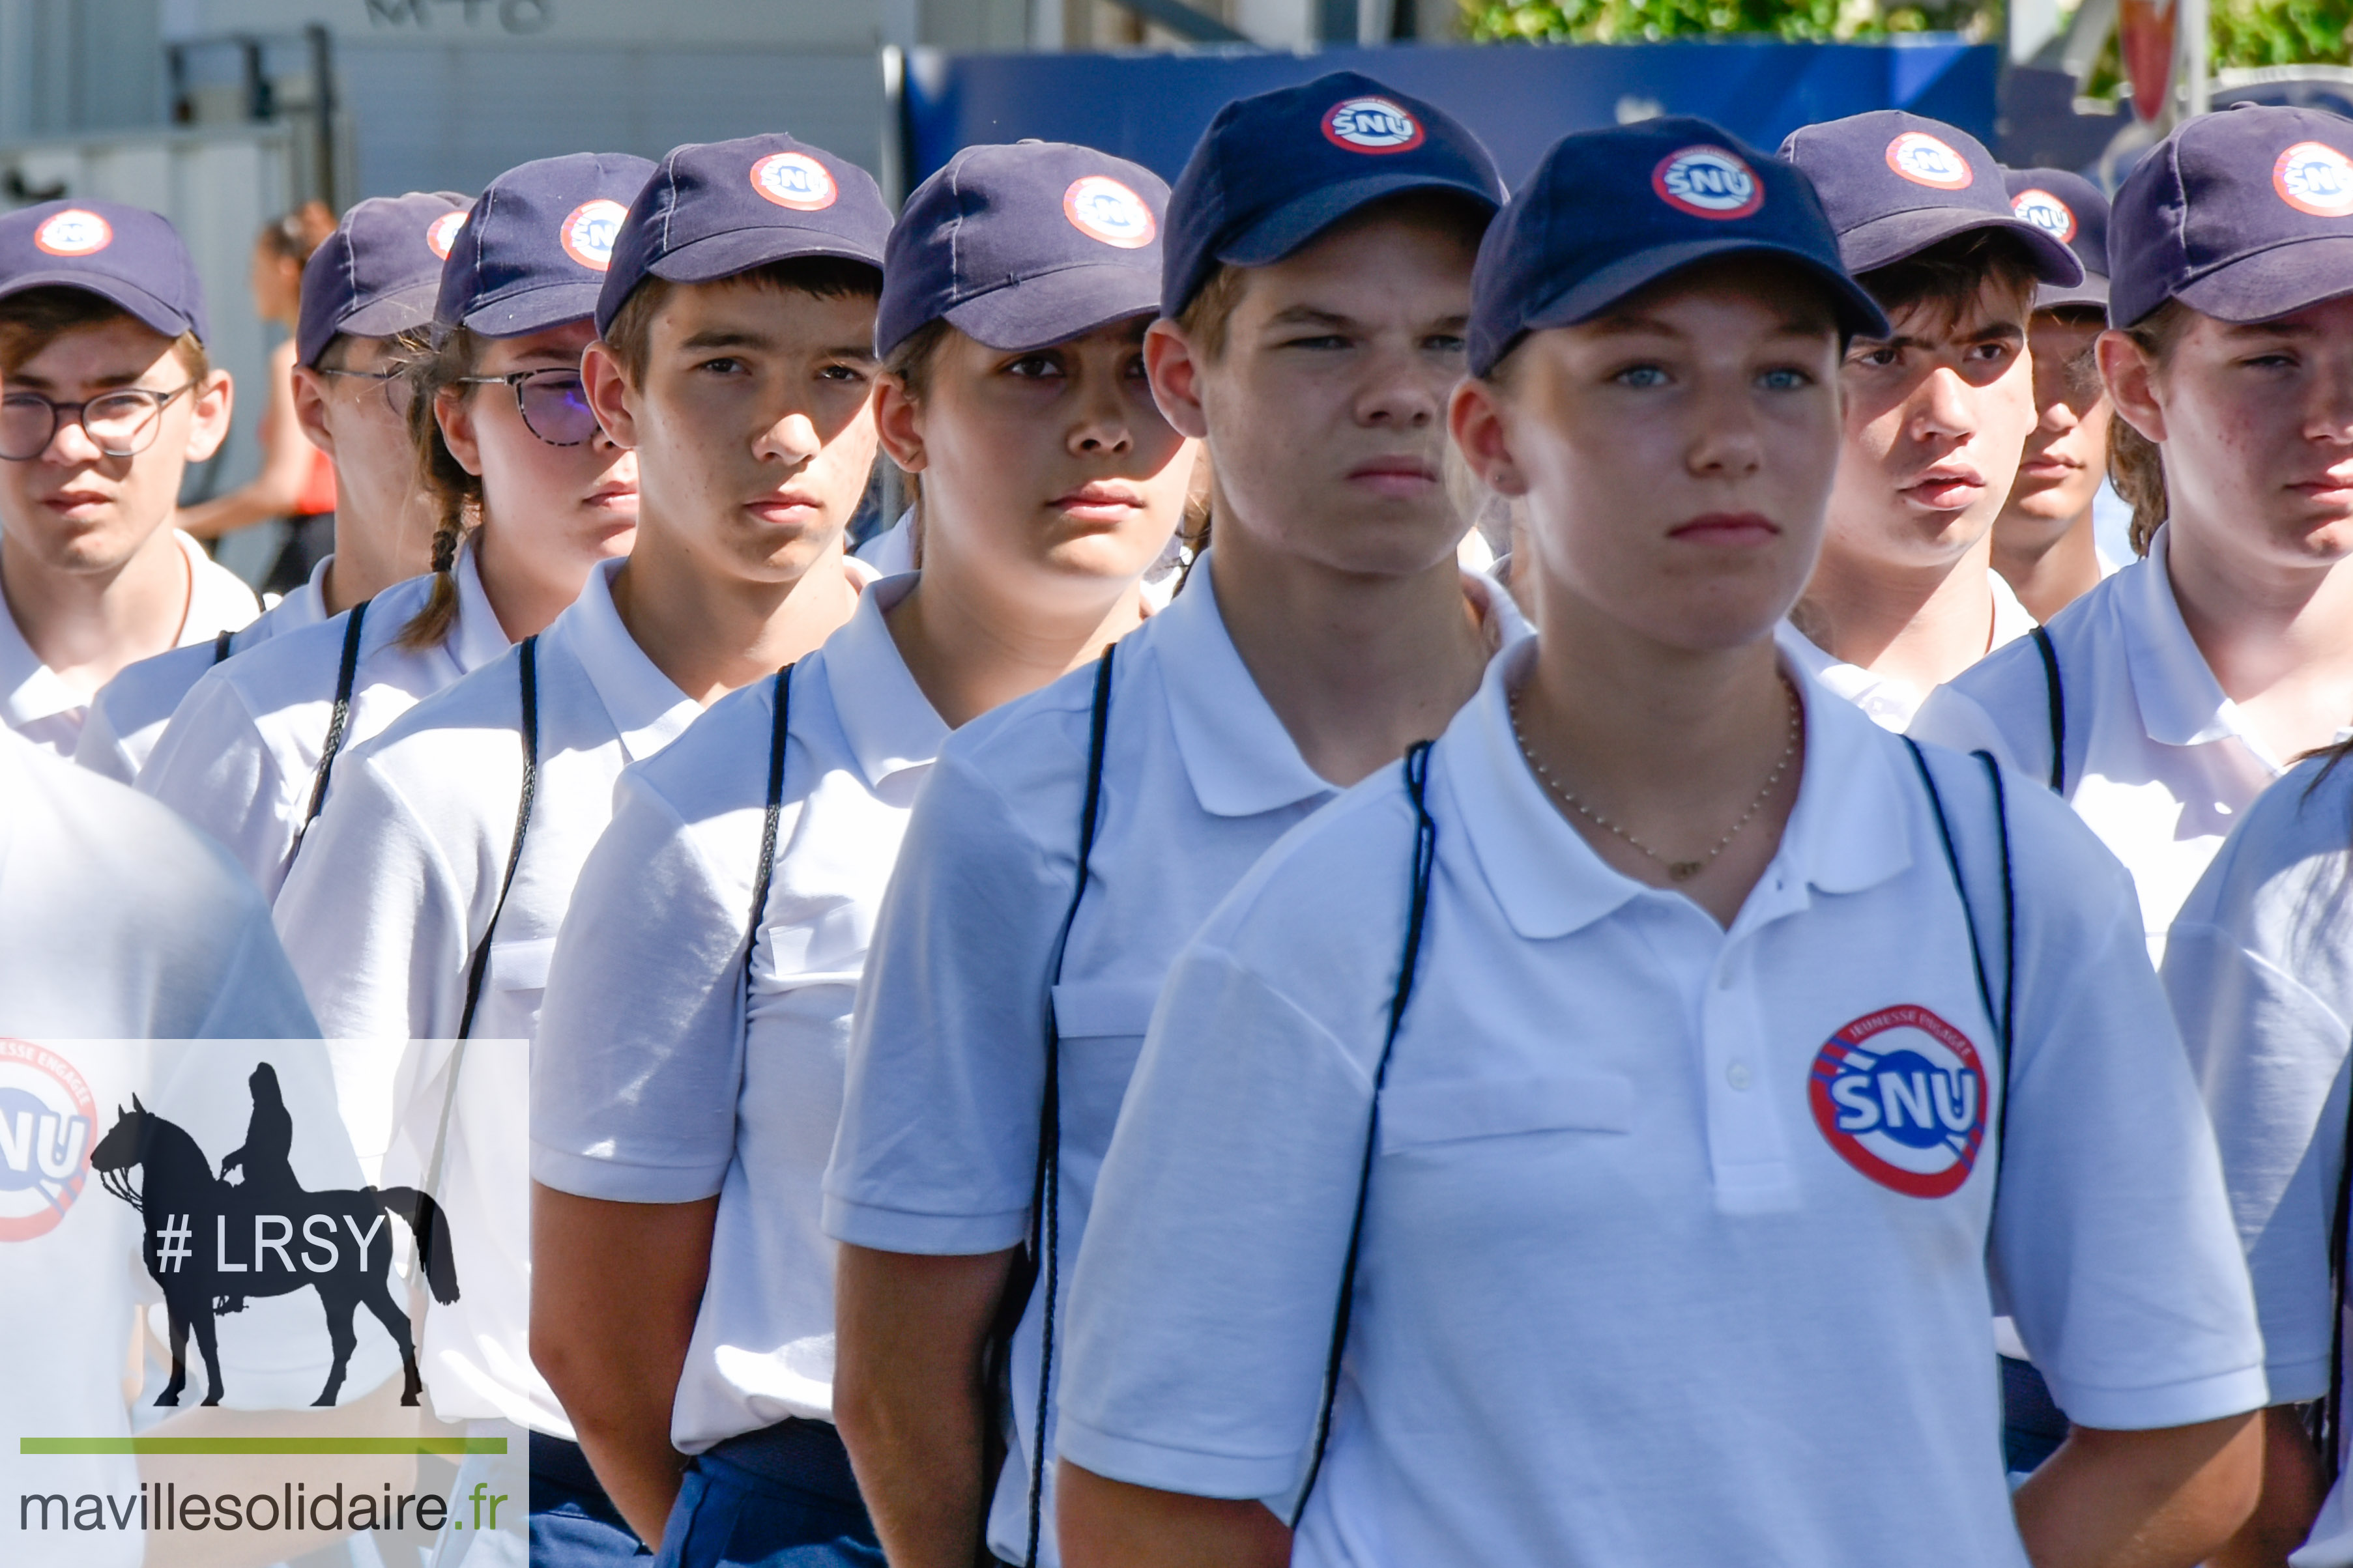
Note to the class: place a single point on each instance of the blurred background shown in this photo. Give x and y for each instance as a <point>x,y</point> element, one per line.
<point>228,115</point>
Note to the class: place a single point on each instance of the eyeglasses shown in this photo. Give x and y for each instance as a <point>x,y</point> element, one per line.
<point>118,424</point>
<point>399,392</point>
<point>553,403</point>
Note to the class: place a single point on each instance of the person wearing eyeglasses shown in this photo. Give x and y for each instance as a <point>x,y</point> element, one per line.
<point>106,396</point>
<point>737,312</point>
<point>367,308</point>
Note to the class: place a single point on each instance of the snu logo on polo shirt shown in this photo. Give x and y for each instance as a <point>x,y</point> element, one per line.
<point>47,1123</point>
<point>1901,1095</point>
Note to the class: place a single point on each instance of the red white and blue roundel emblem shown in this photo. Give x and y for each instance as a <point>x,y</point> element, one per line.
<point>1372,125</point>
<point>1925,160</point>
<point>2311,177</point>
<point>1102,208</point>
<point>588,233</point>
<point>76,231</point>
<point>442,233</point>
<point>1708,182</point>
<point>2045,212</point>
<point>794,180</point>
<point>1901,1095</point>
<point>48,1124</point>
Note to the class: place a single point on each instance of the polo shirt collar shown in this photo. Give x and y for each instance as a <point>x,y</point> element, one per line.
<point>1237,756</point>
<point>890,723</point>
<point>478,638</point>
<point>1847,832</point>
<point>648,709</point>
<point>2181,703</point>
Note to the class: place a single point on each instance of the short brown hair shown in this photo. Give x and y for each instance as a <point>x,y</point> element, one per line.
<point>631,335</point>
<point>1946,277</point>
<point>32,321</point>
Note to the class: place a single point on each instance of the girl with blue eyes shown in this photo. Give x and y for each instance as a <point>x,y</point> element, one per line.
<point>1592,1140</point>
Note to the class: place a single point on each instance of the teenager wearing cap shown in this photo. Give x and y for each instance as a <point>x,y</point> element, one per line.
<point>2043,543</point>
<point>733,349</point>
<point>1936,415</point>
<point>688,1086</point>
<point>1538,1085</point>
<point>101,318</point>
<point>1315,282</point>
<point>367,307</point>
<point>2170,696</point>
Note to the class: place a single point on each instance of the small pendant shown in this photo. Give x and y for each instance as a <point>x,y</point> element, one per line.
<point>1684,870</point>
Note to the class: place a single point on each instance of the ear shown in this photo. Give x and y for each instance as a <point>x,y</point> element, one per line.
<point>136,1106</point>
<point>454,411</point>
<point>1475,418</point>
<point>899,423</point>
<point>608,389</point>
<point>2131,380</point>
<point>310,408</point>
<point>214,400</point>
<point>1176,373</point>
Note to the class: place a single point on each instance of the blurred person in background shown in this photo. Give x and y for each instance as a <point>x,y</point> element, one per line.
<point>297,480</point>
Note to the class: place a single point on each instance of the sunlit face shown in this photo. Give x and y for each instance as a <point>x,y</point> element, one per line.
<point>1676,454</point>
<point>1326,412</point>
<point>755,424</point>
<point>2256,423</point>
<point>2066,453</point>
<point>1047,468</point>
<point>355,419</point>
<point>558,508</point>
<point>76,510</point>
<point>1936,417</point>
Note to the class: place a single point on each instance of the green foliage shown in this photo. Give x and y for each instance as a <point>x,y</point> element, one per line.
<point>2282,32</point>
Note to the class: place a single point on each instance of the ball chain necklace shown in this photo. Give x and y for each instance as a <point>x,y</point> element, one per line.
<point>1677,870</point>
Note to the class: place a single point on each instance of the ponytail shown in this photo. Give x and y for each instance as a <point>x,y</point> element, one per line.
<point>457,495</point>
<point>2135,463</point>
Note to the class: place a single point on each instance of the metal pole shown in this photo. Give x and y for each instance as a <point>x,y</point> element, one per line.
<point>323,109</point>
<point>2193,27</point>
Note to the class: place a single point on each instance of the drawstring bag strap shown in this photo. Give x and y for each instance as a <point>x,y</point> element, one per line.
<point>339,721</point>
<point>2054,691</point>
<point>480,966</point>
<point>1425,859</point>
<point>779,731</point>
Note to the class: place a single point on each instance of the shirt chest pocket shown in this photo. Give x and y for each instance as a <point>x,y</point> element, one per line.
<point>1102,1024</point>
<point>1416,1115</point>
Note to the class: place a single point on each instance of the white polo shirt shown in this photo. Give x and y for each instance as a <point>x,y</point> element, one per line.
<point>2260,972</point>
<point>2159,761</point>
<point>38,704</point>
<point>1678,1238</point>
<point>117,923</point>
<point>240,758</point>
<point>938,1145</point>
<point>653,1087</point>
<point>395,885</point>
<point>130,711</point>
<point>1892,702</point>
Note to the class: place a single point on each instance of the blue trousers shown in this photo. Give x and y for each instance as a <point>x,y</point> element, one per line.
<point>2032,1426</point>
<point>780,1497</point>
<point>573,1524</point>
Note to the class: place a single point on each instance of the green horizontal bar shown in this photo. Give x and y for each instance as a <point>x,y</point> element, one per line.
<point>279,1446</point>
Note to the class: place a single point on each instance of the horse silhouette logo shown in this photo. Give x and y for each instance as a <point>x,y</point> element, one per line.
<point>212,1244</point>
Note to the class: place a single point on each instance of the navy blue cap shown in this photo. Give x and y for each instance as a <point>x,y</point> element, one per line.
<point>1024,245</point>
<point>532,253</point>
<point>1610,212</point>
<point>125,255</point>
<point>1896,184</point>
<point>2245,215</point>
<point>379,272</point>
<point>1275,170</point>
<point>717,208</point>
<point>2071,207</point>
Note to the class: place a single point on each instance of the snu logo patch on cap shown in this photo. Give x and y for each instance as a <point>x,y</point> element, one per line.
<point>1372,125</point>
<point>2045,212</point>
<point>1102,208</point>
<point>442,233</point>
<point>1901,1096</point>
<point>588,233</point>
<point>74,232</point>
<point>2311,177</point>
<point>1708,182</point>
<point>1925,161</point>
<point>794,180</point>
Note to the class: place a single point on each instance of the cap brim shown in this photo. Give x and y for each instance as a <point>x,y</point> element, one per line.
<point>1280,232</point>
<point>1056,307</point>
<point>143,307</point>
<point>533,310</point>
<point>2092,291</point>
<point>402,311</point>
<point>1883,241</point>
<point>1858,312</point>
<point>718,256</point>
<point>2275,282</point>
